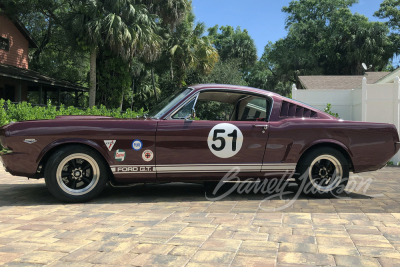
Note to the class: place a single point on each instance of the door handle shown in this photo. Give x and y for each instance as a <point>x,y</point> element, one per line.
<point>265,127</point>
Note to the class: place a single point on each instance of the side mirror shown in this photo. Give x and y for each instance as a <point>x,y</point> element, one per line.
<point>191,116</point>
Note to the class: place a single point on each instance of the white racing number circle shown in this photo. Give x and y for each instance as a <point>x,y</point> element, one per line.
<point>225,140</point>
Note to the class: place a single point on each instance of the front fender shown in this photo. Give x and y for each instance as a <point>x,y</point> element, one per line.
<point>83,141</point>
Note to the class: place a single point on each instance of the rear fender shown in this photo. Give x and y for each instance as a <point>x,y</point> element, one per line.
<point>349,155</point>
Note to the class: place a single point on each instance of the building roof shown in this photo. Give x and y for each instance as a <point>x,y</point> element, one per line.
<point>35,77</point>
<point>339,82</point>
<point>390,77</point>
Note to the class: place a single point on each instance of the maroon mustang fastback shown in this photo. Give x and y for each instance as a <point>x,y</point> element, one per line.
<point>198,134</point>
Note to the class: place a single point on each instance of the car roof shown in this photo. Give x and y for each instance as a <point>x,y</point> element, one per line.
<point>229,87</point>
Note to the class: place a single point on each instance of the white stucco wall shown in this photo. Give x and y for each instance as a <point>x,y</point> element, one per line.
<point>341,100</point>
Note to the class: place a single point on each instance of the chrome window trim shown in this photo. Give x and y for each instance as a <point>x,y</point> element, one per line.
<point>171,113</point>
<point>185,103</point>
<point>236,105</point>
<point>157,118</point>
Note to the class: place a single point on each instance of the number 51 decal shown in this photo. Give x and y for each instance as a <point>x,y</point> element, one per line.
<point>225,140</point>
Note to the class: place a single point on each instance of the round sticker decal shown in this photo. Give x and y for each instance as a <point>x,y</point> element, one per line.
<point>119,155</point>
<point>137,145</point>
<point>147,155</point>
<point>225,140</point>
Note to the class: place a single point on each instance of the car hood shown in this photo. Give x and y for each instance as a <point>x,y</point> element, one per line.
<point>94,117</point>
<point>81,117</point>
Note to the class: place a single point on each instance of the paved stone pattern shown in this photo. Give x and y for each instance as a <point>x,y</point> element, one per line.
<point>175,225</point>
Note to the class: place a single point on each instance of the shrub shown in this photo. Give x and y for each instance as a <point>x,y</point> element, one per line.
<point>328,110</point>
<point>24,111</point>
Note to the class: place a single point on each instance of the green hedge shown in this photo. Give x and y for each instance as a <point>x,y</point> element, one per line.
<point>10,112</point>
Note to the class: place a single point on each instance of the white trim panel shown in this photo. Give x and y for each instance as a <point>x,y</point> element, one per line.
<point>200,168</point>
<point>133,169</point>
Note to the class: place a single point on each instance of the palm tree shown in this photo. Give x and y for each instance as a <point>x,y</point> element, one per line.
<point>234,43</point>
<point>145,92</point>
<point>171,14</point>
<point>125,27</point>
<point>187,47</point>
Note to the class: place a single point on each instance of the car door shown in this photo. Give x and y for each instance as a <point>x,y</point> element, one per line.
<point>196,150</point>
<point>277,160</point>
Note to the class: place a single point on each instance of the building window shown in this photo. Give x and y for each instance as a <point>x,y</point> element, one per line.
<point>4,44</point>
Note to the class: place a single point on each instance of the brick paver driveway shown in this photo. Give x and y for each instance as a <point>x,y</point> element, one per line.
<point>175,225</point>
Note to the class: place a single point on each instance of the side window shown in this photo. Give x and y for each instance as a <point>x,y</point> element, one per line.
<point>226,106</point>
<point>252,109</point>
<point>185,111</point>
<point>213,110</point>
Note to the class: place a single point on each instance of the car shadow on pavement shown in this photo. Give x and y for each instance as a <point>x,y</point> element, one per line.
<point>186,194</point>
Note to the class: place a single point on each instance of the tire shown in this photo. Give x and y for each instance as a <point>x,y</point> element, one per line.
<point>323,172</point>
<point>79,183</point>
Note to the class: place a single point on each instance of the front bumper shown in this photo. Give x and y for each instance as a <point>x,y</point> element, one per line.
<point>7,161</point>
<point>12,164</point>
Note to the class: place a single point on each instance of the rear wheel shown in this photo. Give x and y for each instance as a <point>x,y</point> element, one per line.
<point>75,174</point>
<point>323,172</point>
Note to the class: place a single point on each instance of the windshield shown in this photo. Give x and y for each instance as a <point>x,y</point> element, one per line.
<point>163,107</point>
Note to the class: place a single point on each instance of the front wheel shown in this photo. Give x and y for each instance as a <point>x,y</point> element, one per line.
<point>323,172</point>
<point>75,174</point>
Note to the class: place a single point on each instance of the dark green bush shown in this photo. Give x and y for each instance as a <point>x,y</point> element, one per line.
<point>24,111</point>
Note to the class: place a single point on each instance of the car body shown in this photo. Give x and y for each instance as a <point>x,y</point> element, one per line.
<point>180,148</point>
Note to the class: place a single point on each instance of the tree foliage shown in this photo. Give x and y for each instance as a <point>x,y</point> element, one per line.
<point>187,55</point>
<point>234,44</point>
<point>114,79</point>
<point>146,49</point>
<point>56,56</point>
<point>326,38</point>
<point>125,27</point>
<point>390,10</point>
<point>226,72</point>
<point>187,48</point>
